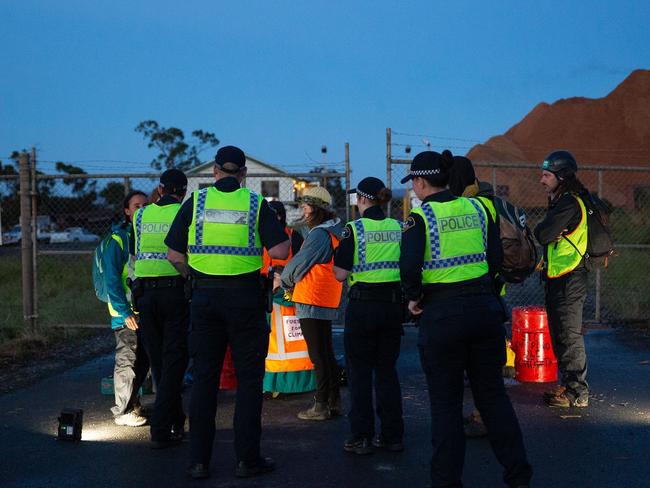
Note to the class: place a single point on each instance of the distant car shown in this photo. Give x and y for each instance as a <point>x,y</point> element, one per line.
<point>73,234</point>
<point>14,235</point>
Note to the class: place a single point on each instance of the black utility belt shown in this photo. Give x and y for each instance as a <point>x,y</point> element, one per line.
<point>162,282</point>
<point>378,295</point>
<point>225,283</point>
<point>458,291</point>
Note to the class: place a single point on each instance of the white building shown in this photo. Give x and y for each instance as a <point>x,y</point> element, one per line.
<point>269,181</point>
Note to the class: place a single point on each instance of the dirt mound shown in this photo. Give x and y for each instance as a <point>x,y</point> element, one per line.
<point>611,130</point>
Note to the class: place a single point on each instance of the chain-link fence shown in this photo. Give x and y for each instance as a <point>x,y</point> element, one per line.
<point>72,213</point>
<point>617,294</point>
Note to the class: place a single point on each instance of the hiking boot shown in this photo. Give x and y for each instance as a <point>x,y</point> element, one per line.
<point>318,411</point>
<point>474,426</point>
<point>558,401</point>
<point>130,419</point>
<point>358,445</point>
<point>581,402</point>
<point>555,391</point>
<point>198,471</point>
<point>380,443</point>
<point>247,470</point>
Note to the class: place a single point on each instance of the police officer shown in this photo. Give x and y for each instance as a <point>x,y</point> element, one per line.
<point>164,312</point>
<point>449,248</point>
<point>217,237</point>
<point>563,233</point>
<point>368,256</point>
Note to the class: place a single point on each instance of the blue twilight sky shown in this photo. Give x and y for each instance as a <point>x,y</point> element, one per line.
<point>281,78</point>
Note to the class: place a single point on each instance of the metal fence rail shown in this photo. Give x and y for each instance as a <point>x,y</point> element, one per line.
<point>617,294</point>
<point>50,275</point>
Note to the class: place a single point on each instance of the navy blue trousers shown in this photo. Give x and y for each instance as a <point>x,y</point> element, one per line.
<point>222,316</point>
<point>461,334</point>
<point>373,333</point>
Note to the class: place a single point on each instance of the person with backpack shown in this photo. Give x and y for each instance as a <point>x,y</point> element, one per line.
<point>159,296</point>
<point>131,360</point>
<point>450,251</point>
<point>564,234</point>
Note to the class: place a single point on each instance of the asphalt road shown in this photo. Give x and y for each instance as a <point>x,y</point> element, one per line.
<point>605,445</point>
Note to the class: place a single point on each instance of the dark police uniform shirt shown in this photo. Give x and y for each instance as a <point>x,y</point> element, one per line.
<point>414,244</point>
<point>270,228</point>
<point>164,200</point>
<point>344,254</point>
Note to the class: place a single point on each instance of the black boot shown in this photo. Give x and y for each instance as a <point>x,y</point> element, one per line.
<point>318,411</point>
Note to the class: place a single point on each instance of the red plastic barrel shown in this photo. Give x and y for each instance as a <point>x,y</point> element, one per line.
<point>228,380</point>
<point>531,340</point>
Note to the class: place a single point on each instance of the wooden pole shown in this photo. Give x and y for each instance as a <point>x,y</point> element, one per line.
<point>26,241</point>
<point>34,193</point>
<point>389,169</point>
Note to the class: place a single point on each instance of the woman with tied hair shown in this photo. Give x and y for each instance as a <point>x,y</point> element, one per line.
<point>368,258</point>
<point>317,295</point>
<point>450,250</point>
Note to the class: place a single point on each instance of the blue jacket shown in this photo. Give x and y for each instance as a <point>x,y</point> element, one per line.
<point>115,262</point>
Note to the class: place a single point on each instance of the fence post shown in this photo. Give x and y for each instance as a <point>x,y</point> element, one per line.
<point>127,185</point>
<point>26,241</point>
<point>389,169</point>
<point>494,180</point>
<point>34,193</point>
<point>598,275</point>
<point>347,181</point>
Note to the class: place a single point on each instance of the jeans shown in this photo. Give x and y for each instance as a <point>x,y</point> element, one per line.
<point>565,297</point>
<point>131,368</point>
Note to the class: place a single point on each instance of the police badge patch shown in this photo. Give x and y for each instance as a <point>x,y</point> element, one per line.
<point>410,222</point>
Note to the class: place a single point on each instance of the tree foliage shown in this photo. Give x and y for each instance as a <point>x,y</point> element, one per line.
<point>80,186</point>
<point>174,151</point>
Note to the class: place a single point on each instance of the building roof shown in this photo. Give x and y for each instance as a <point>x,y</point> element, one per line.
<point>209,164</point>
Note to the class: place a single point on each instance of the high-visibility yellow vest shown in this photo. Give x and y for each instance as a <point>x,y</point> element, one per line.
<point>489,204</point>
<point>151,225</point>
<point>224,236</point>
<point>376,251</point>
<point>456,240</point>
<point>287,347</point>
<point>563,256</point>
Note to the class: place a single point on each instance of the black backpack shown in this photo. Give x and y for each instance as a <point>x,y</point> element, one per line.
<point>519,251</point>
<point>599,237</point>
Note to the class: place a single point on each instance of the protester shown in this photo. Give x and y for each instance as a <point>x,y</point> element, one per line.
<point>317,295</point>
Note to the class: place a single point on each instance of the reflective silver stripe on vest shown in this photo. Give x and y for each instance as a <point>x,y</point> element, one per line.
<point>150,256</point>
<point>434,238</point>
<point>199,248</point>
<point>282,355</point>
<point>361,254</point>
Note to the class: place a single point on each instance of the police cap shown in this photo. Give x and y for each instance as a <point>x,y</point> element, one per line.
<point>173,181</point>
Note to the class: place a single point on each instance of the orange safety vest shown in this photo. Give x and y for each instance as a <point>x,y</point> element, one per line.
<point>267,262</point>
<point>319,286</point>
<point>287,347</point>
